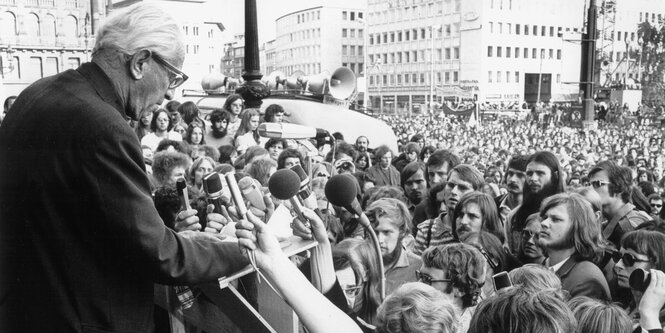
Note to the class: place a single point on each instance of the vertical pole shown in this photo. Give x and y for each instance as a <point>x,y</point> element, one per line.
<point>588,64</point>
<point>540,78</point>
<point>365,57</point>
<point>431,72</point>
<point>252,90</point>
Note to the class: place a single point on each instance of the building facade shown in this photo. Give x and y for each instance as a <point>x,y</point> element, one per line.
<point>233,61</point>
<point>321,39</point>
<point>491,50</point>
<point>40,38</point>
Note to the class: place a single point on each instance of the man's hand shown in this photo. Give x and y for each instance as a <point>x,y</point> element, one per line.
<point>652,301</point>
<point>318,229</point>
<point>187,220</point>
<point>255,236</point>
<point>216,221</point>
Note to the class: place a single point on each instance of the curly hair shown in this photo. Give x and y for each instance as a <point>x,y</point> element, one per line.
<point>416,308</point>
<point>464,266</point>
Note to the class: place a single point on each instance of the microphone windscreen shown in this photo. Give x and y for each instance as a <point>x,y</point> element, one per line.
<point>284,184</point>
<point>180,184</point>
<point>212,183</point>
<point>341,190</point>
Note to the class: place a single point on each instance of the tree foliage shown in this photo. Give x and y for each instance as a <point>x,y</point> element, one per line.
<point>652,56</point>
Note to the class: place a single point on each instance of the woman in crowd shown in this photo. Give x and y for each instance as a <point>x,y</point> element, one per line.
<point>535,278</point>
<point>247,135</point>
<point>168,167</point>
<point>362,162</point>
<point>161,128</point>
<point>195,137</point>
<point>190,113</point>
<point>233,105</point>
<point>474,212</point>
<point>143,125</point>
<point>202,166</point>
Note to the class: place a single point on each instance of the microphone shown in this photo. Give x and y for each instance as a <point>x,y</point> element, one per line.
<point>342,190</point>
<point>241,209</point>
<point>181,186</point>
<point>284,184</point>
<point>304,192</point>
<point>252,192</point>
<point>291,131</point>
<point>212,186</point>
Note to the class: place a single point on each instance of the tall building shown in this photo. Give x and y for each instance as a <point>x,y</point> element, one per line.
<point>492,50</point>
<point>233,62</point>
<point>322,38</point>
<point>40,38</point>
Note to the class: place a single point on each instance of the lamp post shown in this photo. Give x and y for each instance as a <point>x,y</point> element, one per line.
<point>431,72</point>
<point>365,68</point>
<point>540,78</point>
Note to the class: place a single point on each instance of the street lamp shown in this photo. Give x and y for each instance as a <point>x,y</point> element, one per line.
<point>431,73</point>
<point>365,51</point>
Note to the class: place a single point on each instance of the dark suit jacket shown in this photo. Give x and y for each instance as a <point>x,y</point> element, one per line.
<point>583,278</point>
<point>81,243</point>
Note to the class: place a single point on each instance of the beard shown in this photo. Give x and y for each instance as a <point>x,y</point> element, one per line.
<point>218,133</point>
<point>559,244</point>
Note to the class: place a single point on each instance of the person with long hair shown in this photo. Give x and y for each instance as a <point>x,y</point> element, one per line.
<point>143,125</point>
<point>161,128</point>
<point>201,166</point>
<point>476,211</point>
<point>217,135</point>
<point>233,105</point>
<point>247,134</point>
<point>594,316</point>
<point>195,137</point>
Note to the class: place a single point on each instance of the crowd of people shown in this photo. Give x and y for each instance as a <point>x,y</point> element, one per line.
<point>504,226</point>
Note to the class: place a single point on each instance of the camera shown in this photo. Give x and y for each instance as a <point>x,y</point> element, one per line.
<point>639,280</point>
<point>501,280</point>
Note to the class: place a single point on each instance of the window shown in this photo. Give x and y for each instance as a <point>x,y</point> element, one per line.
<point>415,34</point>
<point>517,52</point>
<point>353,50</point>
<point>360,33</point>
<point>517,77</point>
<point>558,54</point>
<point>551,31</point>
<point>455,77</point>
<point>392,37</point>
<point>508,77</point>
<point>498,51</point>
<point>352,33</point>
<point>422,78</point>
<point>558,78</point>
<point>526,53</point>
<point>498,77</point>
<point>447,53</point>
<point>542,53</point>
<point>371,39</point>
<point>526,29</point>
<point>509,27</point>
<point>406,35</point>
<point>406,56</point>
<point>489,76</point>
<point>508,49</point>
<point>491,27</point>
<point>51,66</point>
<point>35,70</point>
<point>517,29</point>
<point>447,78</point>
<point>344,33</point>
<point>385,79</point>
<point>534,53</point>
<point>438,77</point>
<point>500,27</point>
<point>344,15</point>
<point>447,30</point>
<point>489,51</point>
<point>353,16</point>
<point>535,30</point>
<point>456,52</point>
<point>415,57</point>
<point>551,54</point>
<point>422,34</point>
<point>399,36</point>
<point>360,50</point>
<point>344,50</point>
<point>543,31</point>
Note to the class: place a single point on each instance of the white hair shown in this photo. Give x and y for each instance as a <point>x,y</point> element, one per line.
<point>141,26</point>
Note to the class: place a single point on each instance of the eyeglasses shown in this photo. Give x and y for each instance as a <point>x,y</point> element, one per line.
<point>627,258</point>
<point>657,205</point>
<point>598,183</point>
<point>426,279</point>
<point>177,77</point>
<point>527,234</point>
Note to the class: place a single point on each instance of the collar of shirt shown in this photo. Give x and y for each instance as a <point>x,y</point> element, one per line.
<point>556,267</point>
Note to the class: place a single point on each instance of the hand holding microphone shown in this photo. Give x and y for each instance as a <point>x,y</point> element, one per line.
<point>284,184</point>
<point>186,218</point>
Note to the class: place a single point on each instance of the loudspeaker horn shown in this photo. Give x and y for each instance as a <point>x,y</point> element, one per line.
<point>274,80</point>
<point>316,84</point>
<point>213,81</point>
<point>342,83</point>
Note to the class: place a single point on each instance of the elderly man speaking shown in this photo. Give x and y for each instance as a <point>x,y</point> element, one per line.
<point>81,241</point>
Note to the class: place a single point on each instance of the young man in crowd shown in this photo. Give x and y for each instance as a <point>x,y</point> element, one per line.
<point>543,179</point>
<point>217,136</point>
<point>614,184</point>
<point>390,220</point>
<point>436,170</point>
<point>462,179</point>
<point>515,179</point>
<point>414,184</point>
<point>571,238</point>
<point>656,203</point>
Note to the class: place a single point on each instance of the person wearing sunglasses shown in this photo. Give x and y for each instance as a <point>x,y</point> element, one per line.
<point>656,203</point>
<point>458,270</point>
<point>640,249</point>
<point>614,185</point>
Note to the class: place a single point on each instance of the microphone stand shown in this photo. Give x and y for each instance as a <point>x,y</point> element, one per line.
<point>364,221</point>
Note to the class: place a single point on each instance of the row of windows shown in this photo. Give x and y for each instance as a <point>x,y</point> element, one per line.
<point>307,68</point>
<point>195,30</point>
<point>401,13</point>
<point>37,67</point>
<point>499,4</point>
<point>305,34</point>
<point>415,56</point>
<point>351,50</point>
<point>351,15</point>
<point>516,54</point>
<point>525,29</point>
<point>499,76</point>
<point>352,33</point>
<point>644,17</point>
<point>413,78</point>
<point>38,27</point>
<point>299,52</point>
<point>354,67</point>
<point>309,16</point>
<point>413,34</point>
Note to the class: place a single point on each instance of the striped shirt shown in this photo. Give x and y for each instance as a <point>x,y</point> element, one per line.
<point>441,233</point>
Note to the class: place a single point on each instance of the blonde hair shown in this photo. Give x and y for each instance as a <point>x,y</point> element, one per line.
<point>416,307</point>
